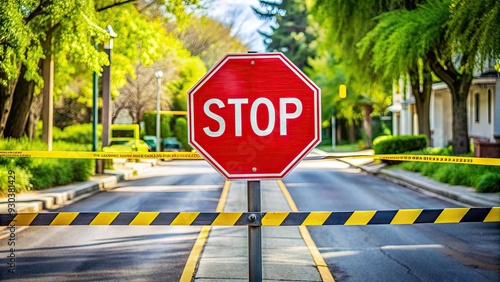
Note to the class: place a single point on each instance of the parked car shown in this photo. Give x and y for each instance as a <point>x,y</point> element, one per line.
<point>171,144</point>
<point>127,146</point>
<point>151,141</point>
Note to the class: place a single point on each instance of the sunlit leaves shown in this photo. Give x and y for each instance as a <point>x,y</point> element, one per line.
<point>401,37</point>
<point>475,28</point>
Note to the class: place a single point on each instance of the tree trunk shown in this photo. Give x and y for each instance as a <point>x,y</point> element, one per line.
<point>5,103</point>
<point>34,116</point>
<point>20,108</point>
<point>461,143</point>
<point>367,124</point>
<point>352,133</point>
<point>458,84</point>
<point>422,98</point>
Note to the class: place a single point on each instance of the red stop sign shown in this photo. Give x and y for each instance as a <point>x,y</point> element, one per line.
<point>254,116</point>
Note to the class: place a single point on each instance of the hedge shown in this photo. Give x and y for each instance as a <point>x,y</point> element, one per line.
<point>483,178</point>
<point>149,119</point>
<point>181,132</point>
<point>41,173</point>
<point>399,144</point>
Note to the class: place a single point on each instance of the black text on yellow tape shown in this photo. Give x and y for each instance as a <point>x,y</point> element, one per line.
<point>373,217</point>
<point>101,155</point>
<point>416,158</point>
<point>441,159</point>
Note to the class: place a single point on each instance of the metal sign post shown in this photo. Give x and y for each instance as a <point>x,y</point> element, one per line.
<point>254,232</point>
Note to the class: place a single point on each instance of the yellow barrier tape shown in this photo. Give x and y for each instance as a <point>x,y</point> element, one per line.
<point>101,155</point>
<point>196,156</point>
<point>416,158</point>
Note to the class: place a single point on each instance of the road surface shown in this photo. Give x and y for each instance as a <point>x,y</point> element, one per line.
<point>447,252</point>
<point>427,252</point>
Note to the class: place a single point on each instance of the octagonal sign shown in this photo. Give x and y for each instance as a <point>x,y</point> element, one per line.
<point>254,116</point>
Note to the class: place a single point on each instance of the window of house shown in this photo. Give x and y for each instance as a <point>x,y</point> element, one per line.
<point>477,106</point>
<point>489,106</point>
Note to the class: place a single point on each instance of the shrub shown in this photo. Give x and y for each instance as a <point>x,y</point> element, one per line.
<point>489,183</point>
<point>482,177</point>
<point>44,172</point>
<point>149,119</point>
<point>399,144</point>
<point>80,133</point>
<point>181,132</point>
<point>82,169</point>
<point>21,181</point>
<point>444,173</point>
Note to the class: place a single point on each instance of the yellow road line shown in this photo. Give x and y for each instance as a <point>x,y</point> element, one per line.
<point>323,270</point>
<point>194,256</point>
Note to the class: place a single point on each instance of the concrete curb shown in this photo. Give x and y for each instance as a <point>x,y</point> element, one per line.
<point>461,194</point>
<point>415,180</point>
<point>52,198</point>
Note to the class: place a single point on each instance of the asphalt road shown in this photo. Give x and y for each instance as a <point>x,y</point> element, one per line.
<point>447,252</point>
<point>121,253</point>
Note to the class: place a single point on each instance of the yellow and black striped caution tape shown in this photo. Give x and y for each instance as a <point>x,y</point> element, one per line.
<point>370,217</point>
<point>196,156</point>
<point>101,155</point>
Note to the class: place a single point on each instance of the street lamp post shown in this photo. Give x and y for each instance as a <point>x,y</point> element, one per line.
<point>106,89</point>
<point>158,75</point>
<point>95,91</point>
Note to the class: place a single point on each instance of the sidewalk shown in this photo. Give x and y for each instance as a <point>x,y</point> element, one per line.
<point>465,195</point>
<point>285,256</point>
<point>37,201</point>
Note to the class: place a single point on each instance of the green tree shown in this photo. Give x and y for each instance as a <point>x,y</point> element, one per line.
<point>26,40</point>
<point>451,47</point>
<point>345,24</point>
<point>415,36</point>
<point>294,34</point>
<point>191,69</point>
<point>30,31</point>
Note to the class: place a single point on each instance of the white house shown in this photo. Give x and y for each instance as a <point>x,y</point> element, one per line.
<point>483,110</point>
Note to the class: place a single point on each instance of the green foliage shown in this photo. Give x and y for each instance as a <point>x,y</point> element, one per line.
<point>475,26</point>
<point>399,144</point>
<point>402,37</point>
<point>21,179</point>
<point>483,178</point>
<point>71,22</point>
<point>294,34</point>
<point>181,132</point>
<point>82,169</point>
<point>489,183</point>
<point>79,133</point>
<point>43,171</point>
<point>191,69</point>
<point>149,119</point>
<point>76,133</point>
<point>40,173</point>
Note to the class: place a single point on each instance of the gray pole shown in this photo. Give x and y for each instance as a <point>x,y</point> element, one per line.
<point>158,75</point>
<point>158,114</point>
<point>254,234</point>
<point>106,101</point>
<point>48,95</point>
<point>95,91</point>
